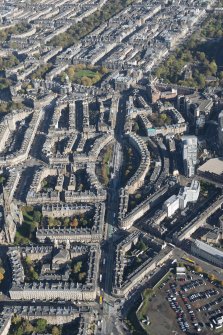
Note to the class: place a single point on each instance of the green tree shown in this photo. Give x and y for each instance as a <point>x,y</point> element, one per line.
<point>37,216</point>
<point>62,77</point>
<point>84,222</point>
<point>221,75</point>
<point>163,117</point>
<point>74,223</point>
<point>213,67</point>
<point>198,269</point>
<point>2,270</point>
<point>28,260</point>
<point>82,276</point>
<point>86,81</point>
<point>16,319</point>
<point>35,275</point>
<point>67,221</point>
<point>141,245</point>
<point>52,222</point>
<point>55,331</point>
<point>191,43</point>
<point>211,277</point>
<point>201,80</point>
<point>77,267</point>
<point>80,66</point>
<point>20,331</point>
<point>138,196</point>
<point>136,127</point>
<point>201,56</point>
<point>41,325</point>
<point>96,78</point>
<point>28,328</point>
<point>2,179</point>
<point>71,73</point>
<point>104,70</point>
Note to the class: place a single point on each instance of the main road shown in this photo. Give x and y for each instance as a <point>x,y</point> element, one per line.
<point>113,195</point>
<point>110,323</point>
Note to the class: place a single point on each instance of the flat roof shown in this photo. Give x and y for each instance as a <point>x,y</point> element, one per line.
<point>209,249</point>
<point>171,200</point>
<point>213,165</point>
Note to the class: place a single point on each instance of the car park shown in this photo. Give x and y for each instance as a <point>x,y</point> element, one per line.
<point>194,303</point>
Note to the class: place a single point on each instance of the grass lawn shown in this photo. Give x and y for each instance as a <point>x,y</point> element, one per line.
<point>143,311</point>
<point>105,169</point>
<point>26,231</point>
<point>85,73</point>
<point>165,278</point>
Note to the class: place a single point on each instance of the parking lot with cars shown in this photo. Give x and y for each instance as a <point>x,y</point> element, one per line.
<point>198,304</point>
<point>194,305</point>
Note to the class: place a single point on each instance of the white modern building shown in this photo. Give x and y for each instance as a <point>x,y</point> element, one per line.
<point>171,205</point>
<point>186,194</point>
<point>189,194</point>
<point>189,154</point>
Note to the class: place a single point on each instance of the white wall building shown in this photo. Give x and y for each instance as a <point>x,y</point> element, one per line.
<point>171,205</point>
<point>189,194</point>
